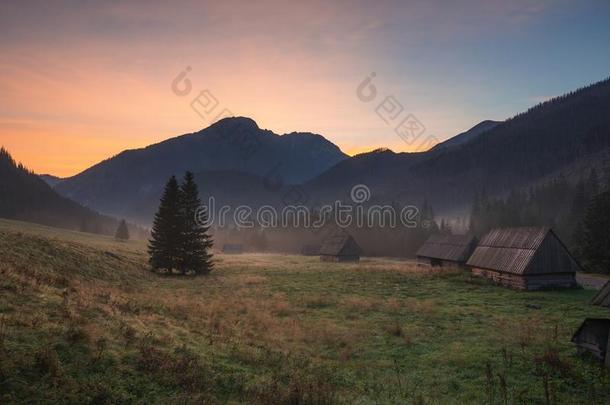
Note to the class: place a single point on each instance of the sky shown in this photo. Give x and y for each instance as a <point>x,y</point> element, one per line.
<point>80,81</point>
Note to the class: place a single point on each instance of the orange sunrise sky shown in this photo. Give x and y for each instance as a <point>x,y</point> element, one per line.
<point>82,81</point>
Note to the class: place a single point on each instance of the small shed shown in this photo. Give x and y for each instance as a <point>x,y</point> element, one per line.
<point>592,337</point>
<point>340,247</point>
<point>602,298</point>
<point>232,248</point>
<point>529,258</point>
<point>447,250</point>
<point>311,250</point>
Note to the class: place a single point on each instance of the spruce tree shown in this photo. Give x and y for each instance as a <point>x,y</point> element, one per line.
<point>595,243</point>
<point>195,242</point>
<point>164,245</point>
<point>122,232</point>
<point>577,211</point>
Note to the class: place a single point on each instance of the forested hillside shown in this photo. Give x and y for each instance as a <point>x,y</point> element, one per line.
<point>25,196</point>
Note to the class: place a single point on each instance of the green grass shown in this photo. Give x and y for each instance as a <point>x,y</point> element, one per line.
<point>82,320</point>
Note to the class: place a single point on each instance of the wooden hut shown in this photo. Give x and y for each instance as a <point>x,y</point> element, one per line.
<point>602,298</point>
<point>447,250</point>
<point>232,248</point>
<point>340,247</point>
<point>593,337</point>
<point>529,258</point>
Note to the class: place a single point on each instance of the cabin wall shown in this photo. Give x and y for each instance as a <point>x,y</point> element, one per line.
<point>552,257</point>
<point>505,279</point>
<point>449,265</point>
<point>528,282</point>
<point>446,264</point>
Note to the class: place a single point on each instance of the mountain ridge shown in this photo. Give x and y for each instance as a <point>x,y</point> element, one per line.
<point>233,145</point>
<point>532,145</point>
<point>492,156</point>
<point>469,135</point>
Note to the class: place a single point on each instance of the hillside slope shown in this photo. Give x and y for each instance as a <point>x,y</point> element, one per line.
<point>555,137</point>
<point>25,196</point>
<point>470,135</point>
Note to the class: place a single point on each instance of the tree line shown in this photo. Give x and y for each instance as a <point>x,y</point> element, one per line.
<point>179,243</point>
<point>579,212</point>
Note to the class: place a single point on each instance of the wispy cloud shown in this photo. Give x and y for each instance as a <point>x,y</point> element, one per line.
<point>103,69</point>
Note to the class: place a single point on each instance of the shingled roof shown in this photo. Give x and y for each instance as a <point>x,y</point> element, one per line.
<point>527,250</point>
<point>340,244</point>
<point>456,248</point>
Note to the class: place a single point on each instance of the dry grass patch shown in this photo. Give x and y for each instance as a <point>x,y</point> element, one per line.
<point>280,306</point>
<point>393,305</point>
<point>317,300</point>
<point>424,307</point>
<point>252,279</point>
<point>360,304</point>
<point>328,333</point>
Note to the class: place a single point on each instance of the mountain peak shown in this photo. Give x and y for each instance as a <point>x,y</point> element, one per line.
<point>232,123</point>
<point>376,152</point>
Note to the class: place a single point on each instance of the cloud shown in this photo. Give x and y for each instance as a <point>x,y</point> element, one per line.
<point>102,69</point>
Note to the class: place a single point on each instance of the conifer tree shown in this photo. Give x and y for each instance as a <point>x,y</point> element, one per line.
<point>595,244</point>
<point>122,232</point>
<point>165,239</point>
<point>195,241</point>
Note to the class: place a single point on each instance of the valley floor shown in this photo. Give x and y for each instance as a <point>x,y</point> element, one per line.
<point>83,321</point>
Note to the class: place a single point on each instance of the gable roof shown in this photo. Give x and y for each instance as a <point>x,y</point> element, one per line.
<point>340,244</point>
<point>593,336</point>
<point>598,328</point>
<point>518,251</point>
<point>448,247</point>
<point>603,296</point>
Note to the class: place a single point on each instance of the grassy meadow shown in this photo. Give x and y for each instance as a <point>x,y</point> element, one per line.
<point>82,320</point>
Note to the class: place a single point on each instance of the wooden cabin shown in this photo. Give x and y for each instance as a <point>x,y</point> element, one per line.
<point>340,247</point>
<point>529,258</point>
<point>602,298</point>
<point>592,337</point>
<point>232,248</point>
<point>447,250</point>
